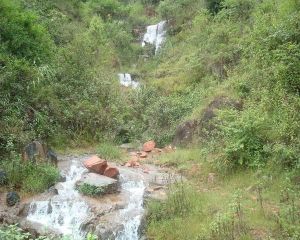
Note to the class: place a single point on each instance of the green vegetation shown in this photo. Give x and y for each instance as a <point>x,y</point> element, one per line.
<point>13,232</point>
<point>29,177</point>
<point>230,68</point>
<point>90,190</point>
<point>247,204</point>
<point>109,152</point>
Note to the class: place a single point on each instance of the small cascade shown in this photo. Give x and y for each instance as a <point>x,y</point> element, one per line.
<point>155,35</point>
<point>133,213</point>
<point>64,212</point>
<point>127,81</point>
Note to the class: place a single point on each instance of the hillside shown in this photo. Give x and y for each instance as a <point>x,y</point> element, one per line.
<point>224,88</point>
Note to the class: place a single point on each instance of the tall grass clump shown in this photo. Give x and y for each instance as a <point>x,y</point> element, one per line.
<point>29,177</point>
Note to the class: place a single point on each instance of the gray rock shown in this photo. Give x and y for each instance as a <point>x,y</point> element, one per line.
<point>12,198</point>
<point>99,183</point>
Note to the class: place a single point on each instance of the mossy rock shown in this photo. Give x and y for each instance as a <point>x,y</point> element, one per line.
<point>93,184</point>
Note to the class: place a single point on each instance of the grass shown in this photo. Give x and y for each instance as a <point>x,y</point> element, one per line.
<point>229,207</point>
<point>109,152</point>
<point>28,177</point>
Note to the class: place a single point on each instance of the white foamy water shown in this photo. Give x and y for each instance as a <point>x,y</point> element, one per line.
<point>134,211</point>
<point>155,35</point>
<point>64,212</point>
<point>127,81</point>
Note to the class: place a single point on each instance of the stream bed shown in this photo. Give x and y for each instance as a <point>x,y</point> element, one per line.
<point>116,216</point>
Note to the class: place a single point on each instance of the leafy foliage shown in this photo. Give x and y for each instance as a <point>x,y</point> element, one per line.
<point>29,177</point>
<point>90,190</point>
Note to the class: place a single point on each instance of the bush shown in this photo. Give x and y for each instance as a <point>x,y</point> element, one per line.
<point>30,177</point>
<point>244,138</point>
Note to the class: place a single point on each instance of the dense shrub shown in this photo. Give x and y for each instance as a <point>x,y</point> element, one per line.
<point>30,177</point>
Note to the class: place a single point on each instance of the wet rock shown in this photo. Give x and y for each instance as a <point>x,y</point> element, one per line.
<point>52,157</point>
<point>24,210</point>
<point>101,184</point>
<point>12,198</point>
<point>3,178</point>
<point>108,232</point>
<point>62,177</point>
<point>53,190</point>
<point>95,164</point>
<point>148,146</point>
<point>111,172</point>
<point>37,229</point>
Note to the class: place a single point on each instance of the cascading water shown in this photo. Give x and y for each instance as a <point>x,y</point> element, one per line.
<point>64,212</point>
<point>155,35</point>
<point>127,81</point>
<point>133,213</point>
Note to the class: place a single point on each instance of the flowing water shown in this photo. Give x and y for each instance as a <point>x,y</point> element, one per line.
<point>127,81</point>
<point>66,211</point>
<point>155,35</point>
<point>134,211</point>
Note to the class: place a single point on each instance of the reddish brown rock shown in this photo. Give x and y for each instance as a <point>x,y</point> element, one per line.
<point>148,146</point>
<point>95,164</point>
<point>111,172</point>
<point>143,154</point>
<point>133,162</point>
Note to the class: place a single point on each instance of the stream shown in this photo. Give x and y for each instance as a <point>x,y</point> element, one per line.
<point>66,212</point>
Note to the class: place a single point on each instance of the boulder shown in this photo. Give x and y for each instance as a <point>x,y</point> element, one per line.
<point>111,172</point>
<point>39,152</point>
<point>95,164</point>
<point>52,157</point>
<point>34,151</point>
<point>148,146</point>
<point>12,198</point>
<point>3,178</point>
<point>98,184</point>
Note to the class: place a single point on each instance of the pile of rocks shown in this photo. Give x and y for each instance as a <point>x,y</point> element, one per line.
<point>97,165</point>
<point>134,161</point>
<point>148,150</point>
<point>101,178</point>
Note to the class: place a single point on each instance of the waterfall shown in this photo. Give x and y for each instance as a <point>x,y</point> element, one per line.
<point>155,35</point>
<point>64,212</point>
<point>127,81</point>
<point>133,213</point>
